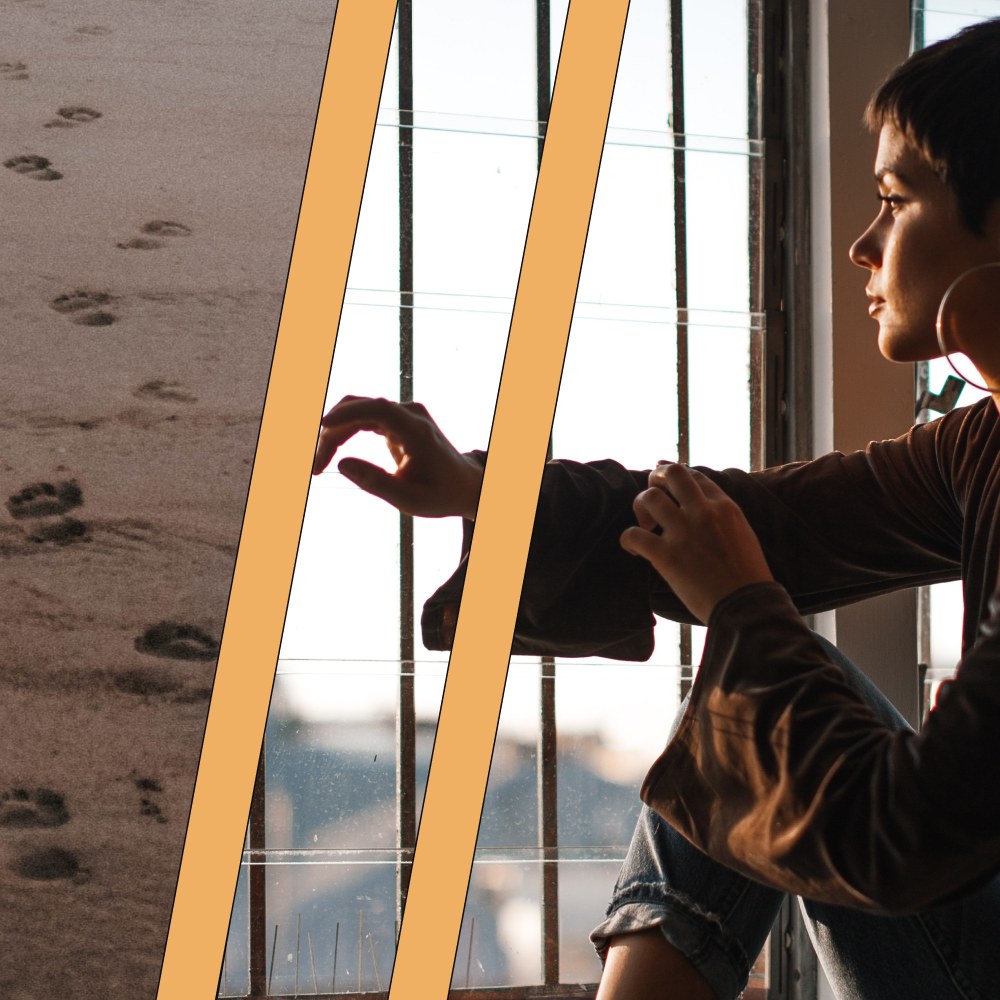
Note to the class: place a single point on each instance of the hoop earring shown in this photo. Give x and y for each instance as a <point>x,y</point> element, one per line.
<point>939,325</point>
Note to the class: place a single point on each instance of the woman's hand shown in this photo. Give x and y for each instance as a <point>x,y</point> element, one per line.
<point>706,549</point>
<point>432,478</point>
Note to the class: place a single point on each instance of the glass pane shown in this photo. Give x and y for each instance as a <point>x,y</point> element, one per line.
<point>938,19</point>
<point>934,21</point>
<point>331,758</point>
<point>331,923</point>
<point>472,200</point>
<point>500,942</point>
<point>235,979</point>
<point>510,807</point>
<point>352,613</point>
<point>582,881</point>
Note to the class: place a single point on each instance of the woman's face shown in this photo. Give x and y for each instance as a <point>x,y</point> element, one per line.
<point>914,249</point>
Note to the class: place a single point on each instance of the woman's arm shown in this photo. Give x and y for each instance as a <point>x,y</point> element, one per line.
<point>781,771</point>
<point>834,530</point>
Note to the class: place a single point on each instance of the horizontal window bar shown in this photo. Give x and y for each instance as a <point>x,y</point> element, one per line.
<point>518,128</point>
<point>618,312</point>
<point>516,854</point>
<point>561,991</point>
<point>390,668</point>
<point>971,10</point>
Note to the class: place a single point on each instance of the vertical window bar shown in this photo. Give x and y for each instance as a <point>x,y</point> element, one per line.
<point>680,266</point>
<point>759,91</point>
<point>771,16</point>
<point>548,823</point>
<point>917,15</point>
<point>548,812</point>
<point>406,781</point>
<point>257,883</point>
<point>785,303</point>
<point>758,364</point>
<point>922,384</point>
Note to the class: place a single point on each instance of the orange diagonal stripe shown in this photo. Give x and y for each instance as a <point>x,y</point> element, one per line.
<point>306,334</point>
<point>543,309</point>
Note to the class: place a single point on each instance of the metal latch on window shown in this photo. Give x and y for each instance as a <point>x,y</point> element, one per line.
<point>945,400</point>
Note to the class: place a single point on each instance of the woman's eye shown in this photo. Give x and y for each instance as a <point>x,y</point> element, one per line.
<point>892,200</point>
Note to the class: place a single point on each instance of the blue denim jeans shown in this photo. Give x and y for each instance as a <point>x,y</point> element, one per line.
<point>719,920</point>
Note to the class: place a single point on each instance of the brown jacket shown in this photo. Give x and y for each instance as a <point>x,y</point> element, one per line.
<point>805,791</point>
<point>779,770</point>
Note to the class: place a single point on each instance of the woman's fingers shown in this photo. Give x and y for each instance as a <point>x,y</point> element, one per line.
<point>376,481</point>
<point>706,548</point>
<point>654,509</point>
<point>374,412</point>
<point>358,413</point>
<point>326,447</point>
<point>431,478</point>
<point>638,542</point>
<point>685,485</point>
<point>710,489</point>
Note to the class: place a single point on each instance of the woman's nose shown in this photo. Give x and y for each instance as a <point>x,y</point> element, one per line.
<point>867,248</point>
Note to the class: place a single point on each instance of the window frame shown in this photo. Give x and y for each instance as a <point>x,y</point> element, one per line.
<point>780,410</point>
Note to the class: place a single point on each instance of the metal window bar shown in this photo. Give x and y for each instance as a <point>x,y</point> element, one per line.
<point>406,726</point>
<point>757,364</point>
<point>257,883</point>
<point>676,29</point>
<point>547,755</point>
<point>779,349</point>
<point>562,991</point>
<point>921,386</point>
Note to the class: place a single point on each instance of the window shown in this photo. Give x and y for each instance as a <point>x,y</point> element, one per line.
<point>941,606</point>
<point>675,351</point>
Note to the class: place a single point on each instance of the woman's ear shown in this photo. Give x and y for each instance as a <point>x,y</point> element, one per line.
<point>967,317</point>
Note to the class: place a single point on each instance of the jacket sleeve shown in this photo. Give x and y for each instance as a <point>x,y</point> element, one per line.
<point>583,595</point>
<point>835,530</point>
<point>781,771</point>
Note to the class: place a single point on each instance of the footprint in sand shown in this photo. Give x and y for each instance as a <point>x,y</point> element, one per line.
<point>22,809</point>
<point>100,318</point>
<point>45,506</point>
<point>177,641</point>
<point>13,71</point>
<point>85,307</point>
<point>159,227</point>
<point>150,789</point>
<point>45,499</point>
<point>139,243</point>
<point>48,864</point>
<point>156,228</point>
<point>191,696</point>
<point>73,115</point>
<point>64,531</point>
<point>38,168</point>
<point>146,683</point>
<point>168,392</point>
<point>79,299</point>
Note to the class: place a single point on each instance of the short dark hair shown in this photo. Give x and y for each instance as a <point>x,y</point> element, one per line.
<point>946,100</point>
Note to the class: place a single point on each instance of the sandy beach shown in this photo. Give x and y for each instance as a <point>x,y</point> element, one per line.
<point>153,160</point>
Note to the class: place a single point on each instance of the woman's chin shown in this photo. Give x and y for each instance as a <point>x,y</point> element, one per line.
<point>905,347</point>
